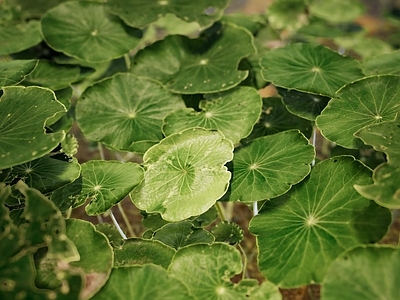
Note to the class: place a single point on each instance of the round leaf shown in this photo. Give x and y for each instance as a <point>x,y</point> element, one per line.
<point>287,14</point>
<point>300,233</point>
<point>205,65</point>
<point>241,104</point>
<point>144,12</point>
<point>364,273</point>
<point>367,101</point>
<point>86,31</point>
<point>125,112</point>
<point>228,232</point>
<point>270,165</point>
<point>96,255</point>
<point>142,282</point>
<point>383,64</point>
<point>23,115</point>
<point>185,174</point>
<point>337,11</point>
<point>17,37</point>
<point>14,71</point>
<point>206,270</point>
<point>309,68</point>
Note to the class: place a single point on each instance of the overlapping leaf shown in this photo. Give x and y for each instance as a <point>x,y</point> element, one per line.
<point>125,112</point>
<point>269,166</point>
<point>383,64</point>
<point>185,174</point>
<point>300,233</point>
<point>85,30</point>
<point>18,37</point>
<point>365,102</point>
<point>241,104</point>
<point>287,14</point>
<point>309,68</point>
<point>14,71</point>
<point>205,65</point>
<point>23,115</point>
<point>337,11</point>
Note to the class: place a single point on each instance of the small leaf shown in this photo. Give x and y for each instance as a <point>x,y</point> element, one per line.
<point>270,165</point>
<point>197,66</point>
<point>309,68</point>
<point>185,174</point>
<point>181,234</point>
<point>242,104</point>
<point>140,252</point>
<point>364,273</point>
<point>142,282</point>
<point>365,102</point>
<point>111,232</point>
<point>85,30</point>
<point>287,14</point>
<point>228,232</point>
<point>143,12</point>
<point>337,11</point>
<point>14,71</point>
<point>125,111</point>
<point>23,114</point>
<point>300,233</point>
<point>17,37</point>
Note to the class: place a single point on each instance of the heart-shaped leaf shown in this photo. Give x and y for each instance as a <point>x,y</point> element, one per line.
<point>84,30</point>
<point>309,68</point>
<point>17,37</point>
<point>300,233</point>
<point>143,12</point>
<point>23,115</point>
<point>364,273</point>
<point>185,174</point>
<point>125,112</point>
<point>197,66</point>
<point>14,71</point>
<point>365,102</point>
<point>242,104</point>
<point>270,165</point>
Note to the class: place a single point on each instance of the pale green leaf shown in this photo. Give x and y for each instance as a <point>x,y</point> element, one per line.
<point>366,47</point>
<point>337,11</point>
<point>14,71</point>
<point>185,174</point>
<point>287,14</point>
<point>18,37</point>
<point>383,64</point>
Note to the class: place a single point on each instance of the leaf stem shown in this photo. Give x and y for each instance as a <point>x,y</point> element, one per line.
<point>117,225</point>
<point>101,151</point>
<point>255,208</point>
<point>126,220</point>
<point>220,211</point>
<point>127,61</point>
<point>314,141</point>
<point>244,273</point>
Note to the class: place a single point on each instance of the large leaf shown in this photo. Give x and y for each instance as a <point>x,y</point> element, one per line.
<point>125,112</point>
<point>243,105</point>
<point>309,68</point>
<point>365,102</point>
<point>270,165</point>
<point>300,233</point>
<point>364,273</point>
<point>383,64</point>
<point>144,12</point>
<point>23,114</point>
<point>14,71</point>
<point>18,37</point>
<point>337,11</point>
<point>142,282</point>
<point>105,183</point>
<point>85,30</point>
<point>205,65</point>
<point>185,174</point>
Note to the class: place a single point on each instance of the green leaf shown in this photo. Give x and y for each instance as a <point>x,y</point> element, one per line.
<point>96,255</point>
<point>125,112</point>
<point>105,183</point>
<point>382,64</point>
<point>309,68</point>
<point>23,114</point>
<point>142,282</point>
<point>141,252</point>
<point>287,14</point>
<point>206,270</point>
<point>47,174</point>
<point>181,234</point>
<point>337,11</point>
<point>304,105</point>
<point>18,37</point>
<point>196,66</point>
<point>111,232</point>
<point>85,30</point>
<point>300,233</point>
<point>144,12</point>
<point>270,165</point>
<point>32,10</point>
<point>228,232</point>
<point>276,118</point>
<point>14,71</point>
<point>365,102</point>
<point>366,47</point>
<point>185,174</point>
<point>52,75</point>
<point>364,273</point>
<point>242,104</point>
